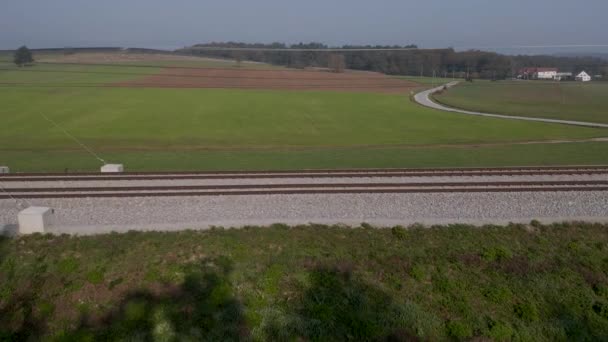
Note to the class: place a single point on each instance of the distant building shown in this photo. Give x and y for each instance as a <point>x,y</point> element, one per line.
<point>560,76</point>
<point>538,73</point>
<point>546,73</point>
<point>583,77</point>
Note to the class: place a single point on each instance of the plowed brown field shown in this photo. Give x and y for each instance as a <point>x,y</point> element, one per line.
<point>273,79</point>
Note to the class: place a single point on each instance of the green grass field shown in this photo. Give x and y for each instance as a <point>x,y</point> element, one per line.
<point>316,283</point>
<point>204,129</point>
<point>58,75</point>
<point>563,100</point>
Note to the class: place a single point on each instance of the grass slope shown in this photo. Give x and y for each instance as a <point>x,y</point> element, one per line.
<point>565,100</point>
<point>148,118</point>
<point>56,75</point>
<point>593,153</point>
<point>246,129</point>
<point>160,122</point>
<point>529,283</point>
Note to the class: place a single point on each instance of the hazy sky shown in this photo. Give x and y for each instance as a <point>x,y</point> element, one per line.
<point>428,23</point>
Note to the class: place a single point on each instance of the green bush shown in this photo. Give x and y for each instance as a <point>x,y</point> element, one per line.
<point>96,276</point>
<point>496,254</point>
<point>526,311</point>
<point>417,272</point>
<point>500,331</point>
<point>399,232</point>
<point>68,265</point>
<point>498,295</point>
<point>601,308</point>
<point>459,330</point>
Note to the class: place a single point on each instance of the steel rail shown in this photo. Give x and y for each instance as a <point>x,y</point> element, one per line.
<point>307,191</point>
<point>305,186</point>
<point>174,176</point>
<point>299,171</point>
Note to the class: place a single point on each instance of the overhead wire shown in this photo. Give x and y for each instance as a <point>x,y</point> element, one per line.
<point>73,138</point>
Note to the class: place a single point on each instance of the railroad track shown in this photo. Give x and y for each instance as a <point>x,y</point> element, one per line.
<point>94,202</point>
<point>291,189</point>
<point>343,173</point>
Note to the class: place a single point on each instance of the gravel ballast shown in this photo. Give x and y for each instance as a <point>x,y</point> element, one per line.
<point>102,215</point>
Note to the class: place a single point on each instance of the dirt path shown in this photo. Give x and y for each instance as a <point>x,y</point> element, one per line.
<point>423,98</point>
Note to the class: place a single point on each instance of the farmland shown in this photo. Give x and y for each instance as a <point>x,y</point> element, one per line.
<point>562,100</point>
<point>521,282</point>
<point>430,81</point>
<point>174,116</point>
<point>147,59</point>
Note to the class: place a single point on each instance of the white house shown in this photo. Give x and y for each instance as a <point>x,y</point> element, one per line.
<point>583,77</point>
<point>546,73</point>
<point>538,73</point>
<point>563,76</point>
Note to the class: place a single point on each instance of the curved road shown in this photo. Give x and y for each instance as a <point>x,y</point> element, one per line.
<point>424,99</point>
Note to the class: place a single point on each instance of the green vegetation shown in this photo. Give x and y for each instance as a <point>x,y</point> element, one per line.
<point>6,56</point>
<point>428,62</point>
<point>592,153</point>
<point>118,118</point>
<point>151,127</point>
<point>203,129</point>
<point>563,100</point>
<point>521,282</point>
<point>23,56</point>
<point>63,75</point>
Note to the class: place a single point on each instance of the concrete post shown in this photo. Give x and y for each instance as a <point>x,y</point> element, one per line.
<point>108,168</point>
<point>35,219</point>
<point>4,169</point>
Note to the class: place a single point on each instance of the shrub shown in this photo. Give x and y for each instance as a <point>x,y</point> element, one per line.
<point>459,330</point>
<point>497,295</point>
<point>68,265</point>
<point>526,311</point>
<point>500,331</point>
<point>366,225</point>
<point>417,272</point>
<point>496,254</point>
<point>399,232</point>
<point>601,308</point>
<point>96,276</point>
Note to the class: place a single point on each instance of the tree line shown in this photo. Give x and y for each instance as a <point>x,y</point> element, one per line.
<point>410,61</point>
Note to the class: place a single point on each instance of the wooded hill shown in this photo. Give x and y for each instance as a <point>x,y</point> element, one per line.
<point>426,62</point>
